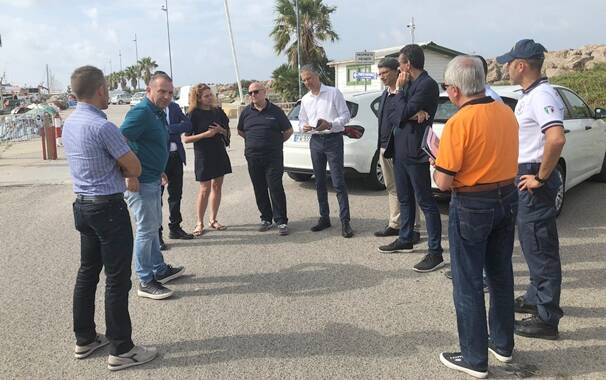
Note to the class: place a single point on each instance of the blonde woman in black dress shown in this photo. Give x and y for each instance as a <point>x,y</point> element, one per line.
<point>210,136</point>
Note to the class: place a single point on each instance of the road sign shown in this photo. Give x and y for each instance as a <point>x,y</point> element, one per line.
<point>365,57</point>
<point>359,75</point>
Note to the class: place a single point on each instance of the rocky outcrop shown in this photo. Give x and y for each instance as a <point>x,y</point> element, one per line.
<point>557,62</point>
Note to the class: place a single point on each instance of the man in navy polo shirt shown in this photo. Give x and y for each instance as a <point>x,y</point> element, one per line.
<point>145,128</point>
<point>540,114</point>
<point>99,159</point>
<point>265,127</point>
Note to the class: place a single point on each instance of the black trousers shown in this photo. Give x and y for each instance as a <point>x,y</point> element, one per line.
<point>174,172</point>
<point>266,175</point>
<point>106,241</point>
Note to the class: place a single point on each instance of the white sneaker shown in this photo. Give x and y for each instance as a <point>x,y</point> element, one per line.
<point>136,356</point>
<point>81,352</point>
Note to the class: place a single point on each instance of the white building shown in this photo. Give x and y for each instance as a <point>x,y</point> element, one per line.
<point>436,59</point>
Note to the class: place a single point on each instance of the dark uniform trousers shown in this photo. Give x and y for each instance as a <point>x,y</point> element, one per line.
<point>266,175</point>
<point>538,236</point>
<point>174,173</point>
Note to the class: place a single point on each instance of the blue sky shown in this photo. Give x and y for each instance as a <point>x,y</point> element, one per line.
<point>67,34</point>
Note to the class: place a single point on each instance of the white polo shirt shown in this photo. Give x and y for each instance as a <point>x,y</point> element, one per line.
<point>539,109</point>
<point>329,105</point>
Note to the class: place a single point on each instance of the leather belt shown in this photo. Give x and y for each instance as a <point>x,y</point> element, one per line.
<point>99,198</point>
<point>484,187</point>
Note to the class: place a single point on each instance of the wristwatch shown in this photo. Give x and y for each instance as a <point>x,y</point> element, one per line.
<point>539,179</point>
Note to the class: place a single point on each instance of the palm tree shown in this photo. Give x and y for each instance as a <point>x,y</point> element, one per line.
<point>132,74</point>
<point>285,82</point>
<point>122,79</point>
<point>147,65</point>
<point>315,27</point>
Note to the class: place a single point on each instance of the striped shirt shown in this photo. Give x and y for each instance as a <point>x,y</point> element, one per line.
<point>92,146</point>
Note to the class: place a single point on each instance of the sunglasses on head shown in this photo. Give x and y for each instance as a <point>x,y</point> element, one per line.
<point>253,92</point>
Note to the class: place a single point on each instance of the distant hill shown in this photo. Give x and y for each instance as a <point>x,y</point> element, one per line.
<point>582,69</point>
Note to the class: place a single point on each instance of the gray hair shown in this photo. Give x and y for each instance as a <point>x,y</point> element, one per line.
<point>389,63</point>
<point>310,69</point>
<point>467,74</point>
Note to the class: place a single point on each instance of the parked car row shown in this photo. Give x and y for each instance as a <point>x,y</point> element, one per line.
<point>583,157</point>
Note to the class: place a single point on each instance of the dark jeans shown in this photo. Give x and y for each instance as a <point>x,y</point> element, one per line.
<point>538,236</point>
<point>266,174</point>
<point>481,232</point>
<point>414,183</point>
<point>106,240</point>
<point>174,173</point>
<point>329,148</point>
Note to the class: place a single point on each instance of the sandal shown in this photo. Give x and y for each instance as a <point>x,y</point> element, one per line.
<point>216,225</point>
<point>199,230</point>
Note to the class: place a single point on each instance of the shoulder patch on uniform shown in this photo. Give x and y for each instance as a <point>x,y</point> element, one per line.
<point>549,109</point>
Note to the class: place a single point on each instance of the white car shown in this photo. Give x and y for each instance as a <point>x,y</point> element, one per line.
<point>584,154</point>
<point>360,158</point>
<point>121,98</point>
<point>136,98</point>
<point>583,157</point>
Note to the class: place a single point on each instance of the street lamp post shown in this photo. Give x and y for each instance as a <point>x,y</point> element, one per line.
<point>298,49</point>
<point>170,58</point>
<point>233,52</point>
<point>136,57</point>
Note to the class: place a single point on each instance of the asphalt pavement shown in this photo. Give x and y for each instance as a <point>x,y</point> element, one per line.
<point>262,306</point>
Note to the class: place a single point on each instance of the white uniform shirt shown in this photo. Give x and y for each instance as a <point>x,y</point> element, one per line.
<point>539,109</point>
<point>173,146</point>
<point>329,105</point>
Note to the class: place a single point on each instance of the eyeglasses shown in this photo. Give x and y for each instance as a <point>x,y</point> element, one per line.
<point>253,92</point>
<point>445,86</point>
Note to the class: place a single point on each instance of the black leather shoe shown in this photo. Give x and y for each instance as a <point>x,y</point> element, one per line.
<point>346,230</point>
<point>178,233</point>
<point>416,237</point>
<point>520,306</point>
<point>163,246</point>
<point>322,225</point>
<point>387,231</point>
<point>534,327</point>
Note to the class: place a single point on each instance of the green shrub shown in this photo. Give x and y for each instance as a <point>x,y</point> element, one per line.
<point>590,84</point>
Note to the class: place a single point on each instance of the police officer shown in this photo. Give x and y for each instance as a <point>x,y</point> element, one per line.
<point>540,113</point>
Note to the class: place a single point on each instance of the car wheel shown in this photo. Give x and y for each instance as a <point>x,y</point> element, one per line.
<point>601,176</point>
<point>559,201</point>
<point>120,102</point>
<point>299,177</point>
<point>375,179</point>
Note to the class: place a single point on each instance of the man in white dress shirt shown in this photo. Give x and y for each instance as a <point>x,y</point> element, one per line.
<point>324,114</point>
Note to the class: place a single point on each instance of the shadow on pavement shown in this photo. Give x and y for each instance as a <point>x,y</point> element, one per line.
<point>336,339</point>
<point>312,279</point>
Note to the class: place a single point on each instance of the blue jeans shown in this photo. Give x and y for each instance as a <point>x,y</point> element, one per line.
<point>538,236</point>
<point>481,232</point>
<point>413,182</point>
<point>147,210</point>
<point>329,148</point>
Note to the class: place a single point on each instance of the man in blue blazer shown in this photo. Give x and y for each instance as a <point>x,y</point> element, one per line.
<point>419,93</point>
<point>178,124</point>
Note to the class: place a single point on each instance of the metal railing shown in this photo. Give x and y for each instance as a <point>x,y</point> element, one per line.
<point>19,127</point>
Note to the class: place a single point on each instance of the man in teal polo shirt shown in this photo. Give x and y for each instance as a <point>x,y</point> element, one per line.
<point>145,128</point>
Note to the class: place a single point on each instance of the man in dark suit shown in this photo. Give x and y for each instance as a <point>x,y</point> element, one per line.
<point>388,72</point>
<point>178,124</point>
<point>419,93</point>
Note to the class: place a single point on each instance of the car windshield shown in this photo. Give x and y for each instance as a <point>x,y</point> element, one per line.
<point>294,113</point>
<point>446,109</point>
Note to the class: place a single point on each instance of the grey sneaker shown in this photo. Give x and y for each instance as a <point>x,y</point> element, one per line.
<point>136,356</point>
<point>429,263</point>
<point>265,226</point>
<point>283,230</point>
<point>81,352</point>
<point>170,274</point>
<point>154,290</point>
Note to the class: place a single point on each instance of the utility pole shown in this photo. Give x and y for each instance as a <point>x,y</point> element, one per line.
<point>136,57</point>
<point>47,80</point>
<point>412,26</point>
<point>120,55</point>
<point>170,57</point>
<point>233,52</point>
<point>298,50</point>
<point>110,66</point>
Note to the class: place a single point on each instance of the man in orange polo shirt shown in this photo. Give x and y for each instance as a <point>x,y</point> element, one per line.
<point>477,161</point>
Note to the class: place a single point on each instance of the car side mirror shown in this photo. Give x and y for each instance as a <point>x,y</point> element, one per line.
<point>600,113</point>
